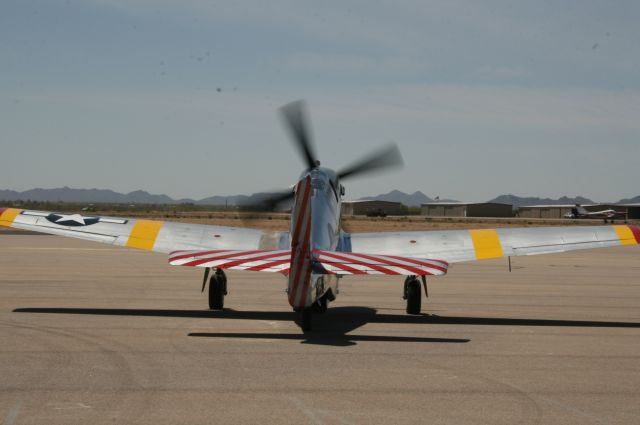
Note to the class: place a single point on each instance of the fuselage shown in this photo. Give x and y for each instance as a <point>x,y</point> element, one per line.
<point>323,202</point>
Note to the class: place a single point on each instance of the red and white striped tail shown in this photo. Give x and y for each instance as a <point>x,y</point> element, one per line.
<point>301,260</point>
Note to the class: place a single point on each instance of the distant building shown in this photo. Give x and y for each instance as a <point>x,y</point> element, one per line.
<point>546,211</point>
<point>633,210</point>
<point>366,207</point>
<point>468,209</point>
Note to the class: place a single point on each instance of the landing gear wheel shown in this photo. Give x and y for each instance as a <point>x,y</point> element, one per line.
<point>305,319</point>
<point>321,305</point>
<point>217,290</point>
<point>413,295</point>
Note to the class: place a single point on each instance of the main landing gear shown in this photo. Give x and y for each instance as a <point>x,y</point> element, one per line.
<point>217,290</point>
<point>413,293</point>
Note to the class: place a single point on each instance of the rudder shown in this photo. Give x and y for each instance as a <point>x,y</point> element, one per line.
<point>300,269</point>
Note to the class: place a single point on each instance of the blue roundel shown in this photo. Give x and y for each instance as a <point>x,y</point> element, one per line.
<point>71,219</point>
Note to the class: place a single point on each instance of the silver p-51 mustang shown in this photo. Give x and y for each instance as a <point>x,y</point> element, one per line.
<point>316,253</point>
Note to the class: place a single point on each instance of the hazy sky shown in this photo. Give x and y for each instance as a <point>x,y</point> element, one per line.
<point>181,97</point>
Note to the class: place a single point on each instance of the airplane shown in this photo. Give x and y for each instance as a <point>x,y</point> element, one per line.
<point>607,215</point>
<point>316,253</point>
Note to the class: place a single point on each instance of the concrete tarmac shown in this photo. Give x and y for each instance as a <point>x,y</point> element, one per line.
<point>92,334</point>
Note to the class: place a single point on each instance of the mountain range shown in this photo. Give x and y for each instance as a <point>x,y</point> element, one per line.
<point>518,201</point>
<point>412,200</point>
<point>67,194</point>
<point>634,200</point>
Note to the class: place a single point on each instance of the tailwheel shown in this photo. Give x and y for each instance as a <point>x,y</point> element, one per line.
<point>306,316</point>
<point>321,305</point>
<point>413,295</point>
<point>217,290</point>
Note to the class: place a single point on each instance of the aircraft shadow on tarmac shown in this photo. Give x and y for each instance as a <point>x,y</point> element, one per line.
<point>333,327</point>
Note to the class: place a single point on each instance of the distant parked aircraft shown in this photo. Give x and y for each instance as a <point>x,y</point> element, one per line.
<point>581,212</point>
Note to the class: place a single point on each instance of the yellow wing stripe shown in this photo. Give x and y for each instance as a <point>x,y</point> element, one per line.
<point>144,234</point>
<point>486,243</point>
<point>625,235</point>
<point>7,217</point>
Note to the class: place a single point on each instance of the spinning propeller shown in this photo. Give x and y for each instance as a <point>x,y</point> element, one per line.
<point>295,119</point>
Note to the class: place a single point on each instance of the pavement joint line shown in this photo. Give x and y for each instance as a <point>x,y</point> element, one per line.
<point>11,417</point>
<point>335,416</point>
<point>307,412</point>
<point>575,410</point>
<point>71,406</point>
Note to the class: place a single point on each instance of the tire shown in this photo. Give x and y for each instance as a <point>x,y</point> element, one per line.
<point>414,297</point>
<point>306,316</point>
<point>217,291</point>
<point>321,305</point>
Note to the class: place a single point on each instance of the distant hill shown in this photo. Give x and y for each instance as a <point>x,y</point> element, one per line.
<point>67,194</point>
<point>220,200</point>
<point>412,200</point>
<point>518,201</point>
<point>635,200</point>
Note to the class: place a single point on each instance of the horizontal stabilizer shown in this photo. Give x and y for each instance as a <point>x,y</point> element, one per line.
<point>355,263</point>
<point>327,262</point>
<point>256,260</point>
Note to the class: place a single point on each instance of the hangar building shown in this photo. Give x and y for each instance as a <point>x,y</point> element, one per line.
<point>546,211</point>
<point>371,207</point>
<point>632,210</point>
<point>468,209</point>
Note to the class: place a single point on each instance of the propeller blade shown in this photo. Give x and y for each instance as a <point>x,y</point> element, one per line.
<point>294,116</point>
<point>275,199</point>
<point>206,275</point>
<point>386,157</point>
<point>267,201</point>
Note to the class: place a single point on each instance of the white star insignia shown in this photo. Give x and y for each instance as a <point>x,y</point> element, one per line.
<point>71,217</point>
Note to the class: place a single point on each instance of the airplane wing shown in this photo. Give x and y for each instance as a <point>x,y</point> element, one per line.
<point>151,235</point>
<point>329,262</point>
<point>468,245</point>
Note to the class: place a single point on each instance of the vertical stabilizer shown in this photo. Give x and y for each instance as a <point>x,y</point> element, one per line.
<point>581,210</point>
<point>300,272</point>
